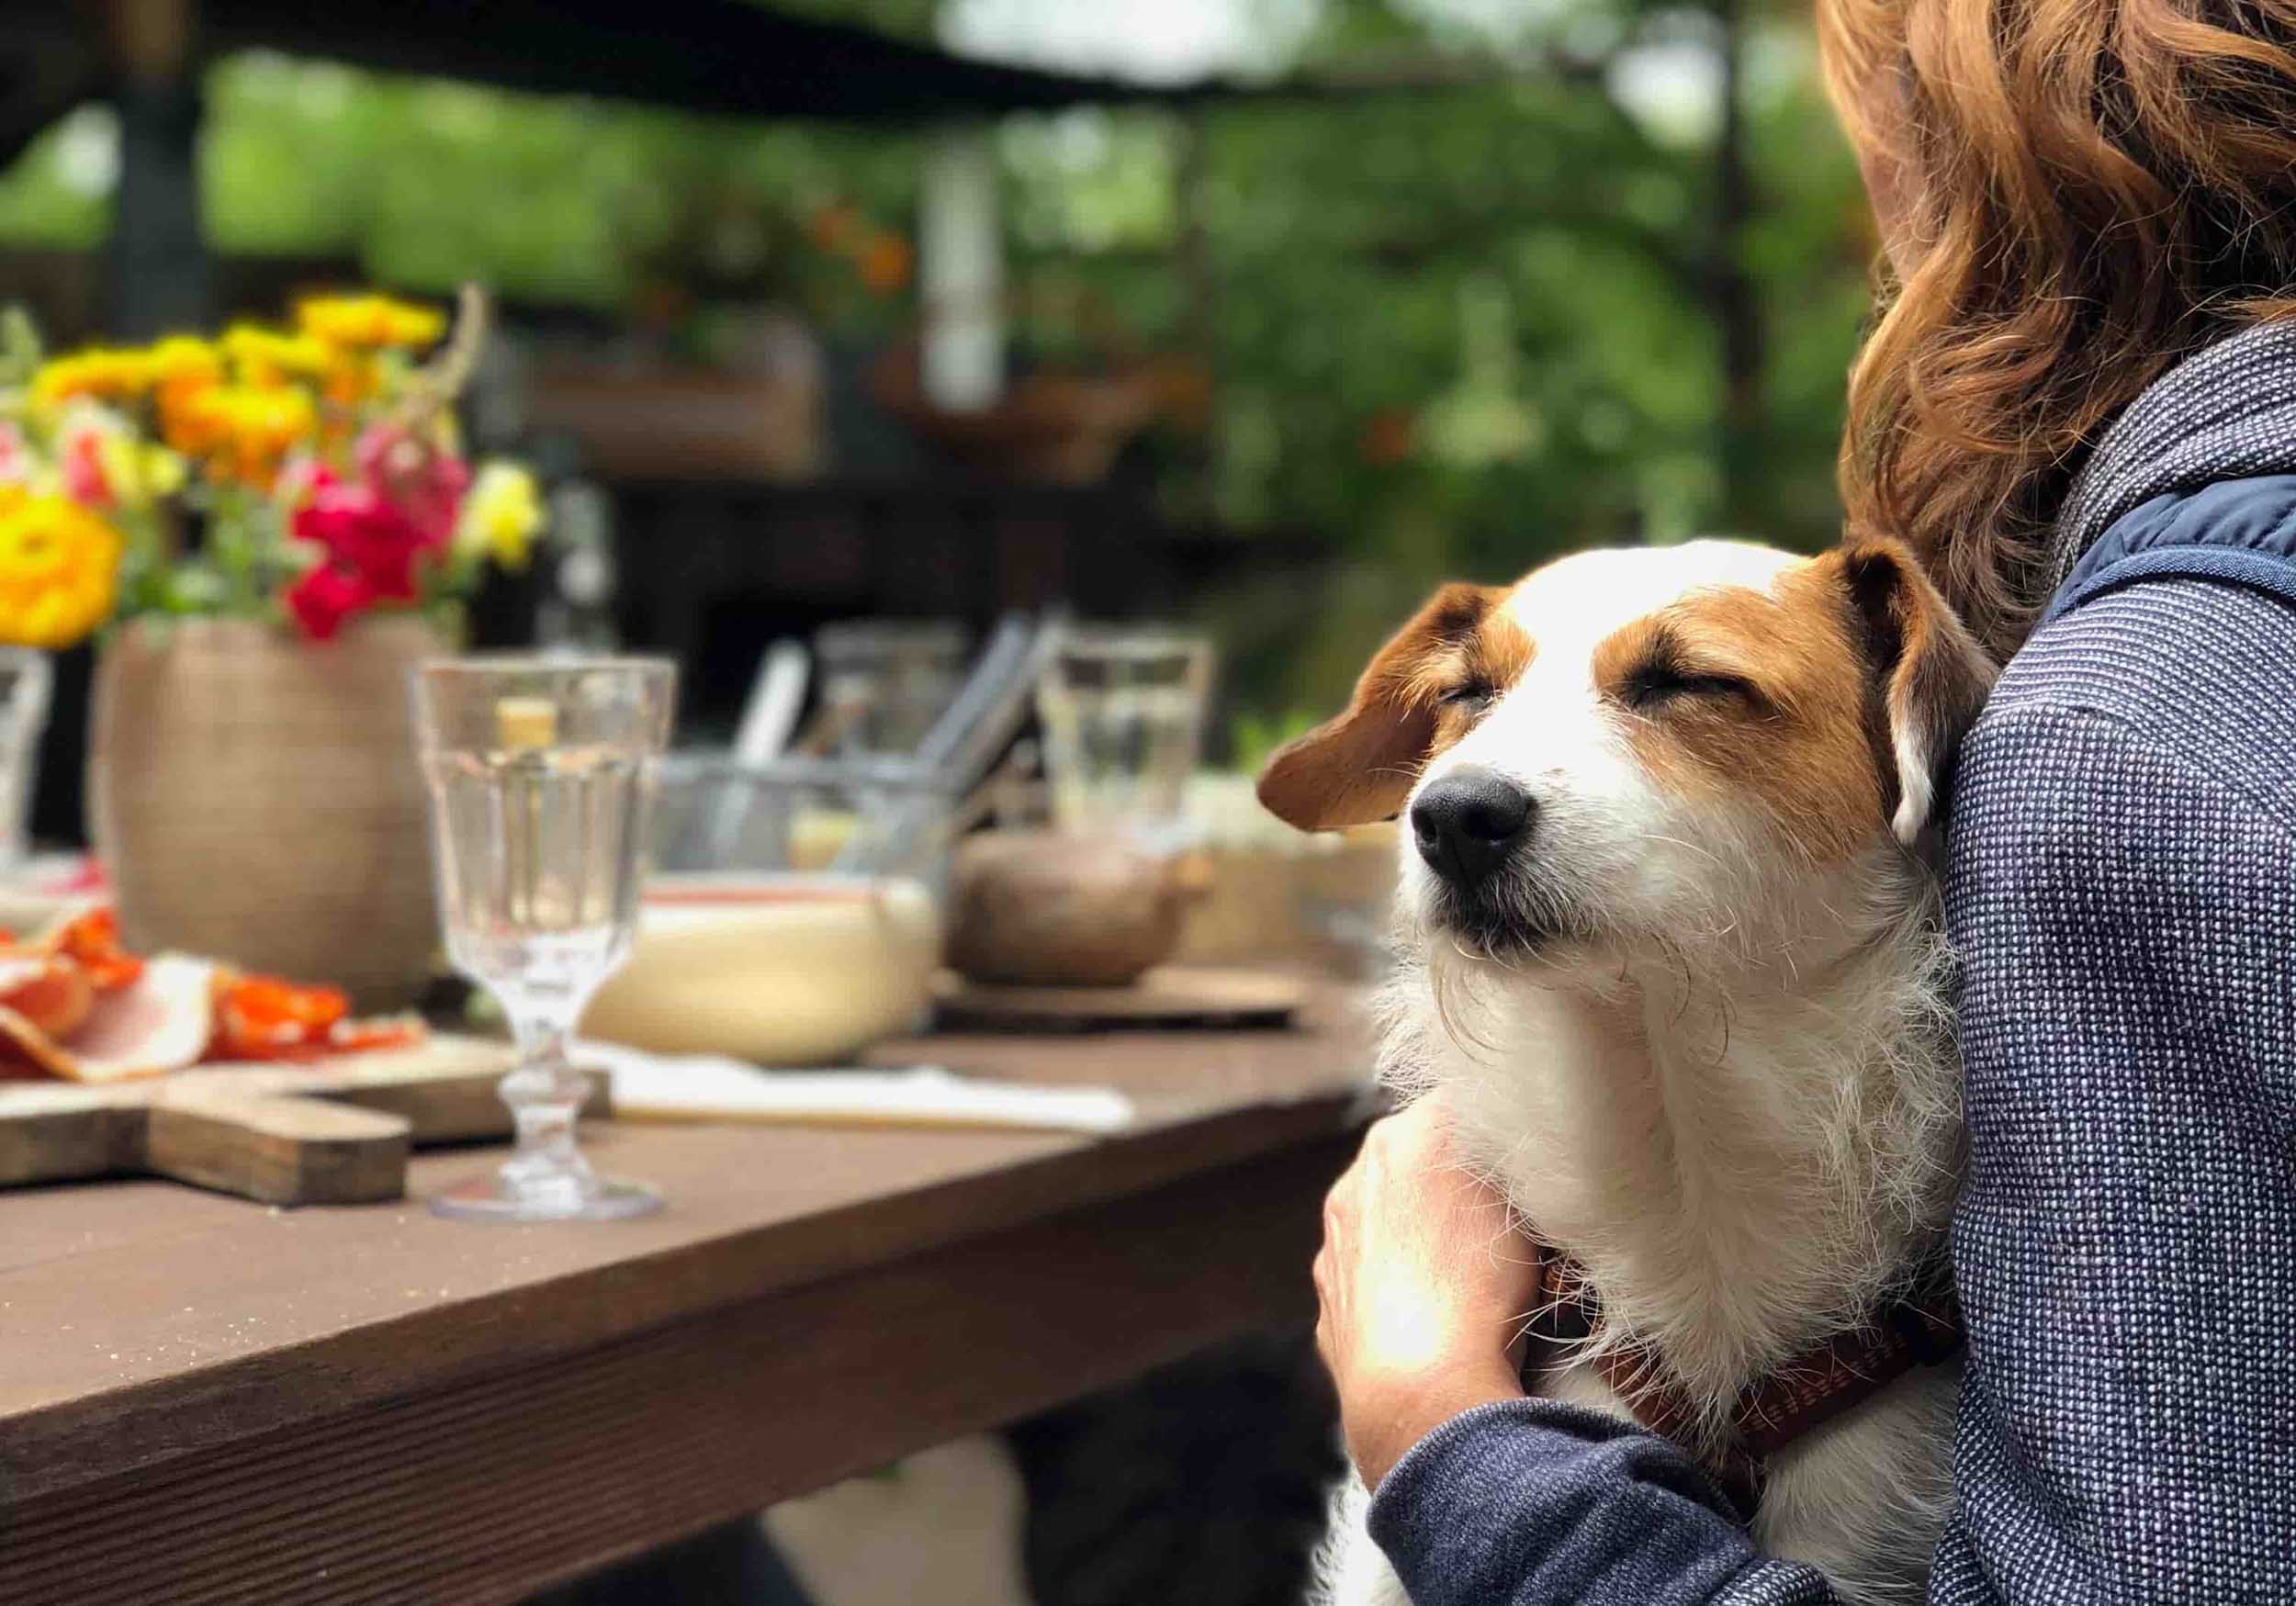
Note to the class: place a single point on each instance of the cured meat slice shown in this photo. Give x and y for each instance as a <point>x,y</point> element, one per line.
<point>158,1023</point>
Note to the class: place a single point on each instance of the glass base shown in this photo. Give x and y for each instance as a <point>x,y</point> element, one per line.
<point>493,1197</point>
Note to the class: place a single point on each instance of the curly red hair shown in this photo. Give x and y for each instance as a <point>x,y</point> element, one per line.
<point>2093,189</point>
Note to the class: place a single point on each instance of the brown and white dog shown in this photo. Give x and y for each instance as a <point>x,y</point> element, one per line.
<point>1672,962</point>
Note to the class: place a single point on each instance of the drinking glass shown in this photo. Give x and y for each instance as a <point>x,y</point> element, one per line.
<point>541,771</point>
<point>884,682</point>
<point>1123,716</point>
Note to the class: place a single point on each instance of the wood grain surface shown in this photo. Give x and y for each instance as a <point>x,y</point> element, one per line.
<point>333,1133</point>
<point>205,1400</point>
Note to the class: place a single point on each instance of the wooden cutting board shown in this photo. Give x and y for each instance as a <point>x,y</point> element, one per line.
<point>335,1133</point>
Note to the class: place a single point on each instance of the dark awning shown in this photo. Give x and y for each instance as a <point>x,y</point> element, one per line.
<point>724,57</point>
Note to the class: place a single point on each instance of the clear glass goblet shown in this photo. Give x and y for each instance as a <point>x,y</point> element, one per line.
<point>541,772</point>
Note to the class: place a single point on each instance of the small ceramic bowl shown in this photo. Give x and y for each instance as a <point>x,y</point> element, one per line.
<point>1044,909</point>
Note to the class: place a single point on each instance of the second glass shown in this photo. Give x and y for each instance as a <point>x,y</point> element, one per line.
<point>1123,716</point>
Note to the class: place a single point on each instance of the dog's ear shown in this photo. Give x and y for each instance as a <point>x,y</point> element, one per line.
<point>1361,766</point>
<point>1931,675</point>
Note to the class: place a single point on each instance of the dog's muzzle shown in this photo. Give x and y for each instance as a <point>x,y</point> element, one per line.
<point>1468,824</point>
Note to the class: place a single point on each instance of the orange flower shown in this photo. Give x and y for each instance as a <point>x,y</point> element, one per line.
<point>180,367</point>
<point>244,432</point>
<point>885,263</point>
<point>833,226</point>
<point>1388,436</point>
<point>352,378</point>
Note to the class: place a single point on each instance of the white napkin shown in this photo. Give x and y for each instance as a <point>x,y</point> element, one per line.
<point>710,1088</point>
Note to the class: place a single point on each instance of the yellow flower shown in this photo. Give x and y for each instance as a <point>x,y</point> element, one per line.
<point>243,432</point>
<point>106,373</point>
<point>183,371</point>
<point>140,474</point>
<point>269,356</point>
<point>59,570</point>
<point>365,322</point>
<point>183,360</point>
<point>499,516</point>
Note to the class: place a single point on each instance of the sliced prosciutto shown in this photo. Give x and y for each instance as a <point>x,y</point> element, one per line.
<point>157,1023</point>
<point>76,1003</point>
<point>53,993</point>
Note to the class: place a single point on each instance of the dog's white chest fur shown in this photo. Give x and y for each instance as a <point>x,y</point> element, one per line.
<point>1744,1162</point>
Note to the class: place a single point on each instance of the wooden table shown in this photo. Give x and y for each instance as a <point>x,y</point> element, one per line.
<point>202,1399</point>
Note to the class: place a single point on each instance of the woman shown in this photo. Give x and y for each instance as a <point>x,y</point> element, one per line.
<point>2080,404</point>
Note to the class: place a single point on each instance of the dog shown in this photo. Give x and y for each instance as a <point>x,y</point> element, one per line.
<point>1672,959</point>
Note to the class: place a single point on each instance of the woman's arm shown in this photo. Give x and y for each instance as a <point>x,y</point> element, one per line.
<point>1537,1504</point>
<point>1486,1498</point>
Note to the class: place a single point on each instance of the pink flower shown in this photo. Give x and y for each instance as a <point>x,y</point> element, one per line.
<point>426,482</point>
<point>82,468</point>
<point>15,457</point>
<point>326,597</point>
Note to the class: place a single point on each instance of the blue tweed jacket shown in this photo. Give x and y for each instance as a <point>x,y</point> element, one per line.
<point>2123,887</point>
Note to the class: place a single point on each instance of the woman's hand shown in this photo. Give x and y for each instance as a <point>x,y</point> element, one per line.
<point>1424,1287</point>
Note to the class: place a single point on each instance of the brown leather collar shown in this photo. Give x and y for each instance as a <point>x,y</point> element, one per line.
<point>1922,1328</point>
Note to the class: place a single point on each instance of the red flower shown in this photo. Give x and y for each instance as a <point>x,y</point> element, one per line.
<point>366,533</point>
<point>377,530</point>
<point>327,595</point>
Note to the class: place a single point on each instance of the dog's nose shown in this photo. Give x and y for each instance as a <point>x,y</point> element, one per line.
<point>1468,822</point>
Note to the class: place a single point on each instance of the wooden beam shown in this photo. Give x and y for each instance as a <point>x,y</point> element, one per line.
<point>159,275</point>
<point>1736,305</point>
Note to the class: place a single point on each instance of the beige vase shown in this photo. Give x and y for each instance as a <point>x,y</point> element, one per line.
<point>256,798</point>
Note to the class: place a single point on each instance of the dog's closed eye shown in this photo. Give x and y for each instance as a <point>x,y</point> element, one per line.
<point>1664,681</point>
<point>1473,697</point>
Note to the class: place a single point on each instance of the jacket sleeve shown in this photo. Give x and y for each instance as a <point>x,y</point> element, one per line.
<point>2123,896</point>
<point>1529,1502</point>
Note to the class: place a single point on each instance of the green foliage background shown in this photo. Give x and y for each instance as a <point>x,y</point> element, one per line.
<point>1448,331</point>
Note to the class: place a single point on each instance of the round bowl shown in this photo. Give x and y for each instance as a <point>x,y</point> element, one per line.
<point>779,970</point>
<point>1044,909</point>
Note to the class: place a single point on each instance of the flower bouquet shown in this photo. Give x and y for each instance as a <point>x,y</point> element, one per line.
<point>311,474</point>
<point>277,524</point>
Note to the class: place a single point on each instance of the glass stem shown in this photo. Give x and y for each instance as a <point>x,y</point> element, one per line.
<point>545,1095</point>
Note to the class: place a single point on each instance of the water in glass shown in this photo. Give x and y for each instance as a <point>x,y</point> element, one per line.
<point>537,885</point>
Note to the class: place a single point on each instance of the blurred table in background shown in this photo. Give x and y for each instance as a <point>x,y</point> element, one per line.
<point>204,1400</point>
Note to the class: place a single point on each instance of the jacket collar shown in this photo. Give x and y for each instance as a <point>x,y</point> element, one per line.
<point>2225,412</point>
